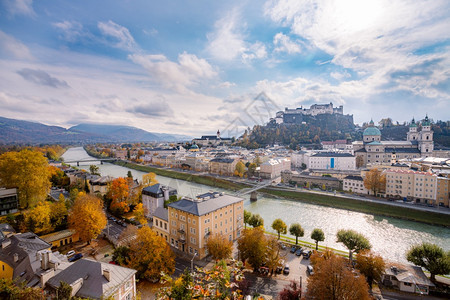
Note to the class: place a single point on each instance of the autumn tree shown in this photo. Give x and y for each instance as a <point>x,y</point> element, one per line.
<point>252,246</point>
<point>251,169</point>
<point>11,290</point>
<point>239,169</point>
<point>139,212</point>
<point>128,235</point>
<point>370,265</point>
<point>353,241</point>
<point>333,280</point>
<point>219,247</point>
<point>279,226</point>
<point>256,221</point>
<point>431,257</point>
<point>37,219</point>
<point>291,291</point>
<point>149,179</point>
<point>94,170</point>
<point>375,181</point>
<point>247,217</point>
<point>150,255</point>
<point>317,235</point>
<point>121,255</point>
<point>273,256</point>
<point>87,217</point>
<point>118,193</point>
<point>57,176</point>
<point>28,171</point>
<point>296,230</point>
<point>58,212</point>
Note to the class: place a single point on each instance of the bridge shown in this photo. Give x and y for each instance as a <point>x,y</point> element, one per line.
<point>252,190</point>
<point>90,160</point>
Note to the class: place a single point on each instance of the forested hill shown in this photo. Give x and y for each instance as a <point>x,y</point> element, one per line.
<point>295,136</point>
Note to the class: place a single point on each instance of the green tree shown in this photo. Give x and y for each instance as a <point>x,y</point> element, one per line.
<point>257,161</point>
<point>279,226</point>
<point>317,235</point>
<point>129,175</point>
<point>256,221</point>
<point>64,291</point>
<point>251,169</point>
<point>353,241</point>
<point>431,257</point>
<point>94,170</point>
<point>247,217</point>
<point>121,255</point>
<point>370,265</point>
<point>28,171</point>
<point>296,230</point>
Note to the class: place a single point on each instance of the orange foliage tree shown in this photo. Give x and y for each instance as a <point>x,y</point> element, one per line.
<point>334,279</point>
<point>118,193</point>
<point>150,255</point>
<point>219,246</point>
<point>87,217</point>
<point>375,181</point>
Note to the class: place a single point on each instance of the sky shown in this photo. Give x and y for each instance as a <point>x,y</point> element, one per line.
<point>192,67</point>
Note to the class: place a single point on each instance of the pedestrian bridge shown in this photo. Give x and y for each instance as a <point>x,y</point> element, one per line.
<point>256,187</point>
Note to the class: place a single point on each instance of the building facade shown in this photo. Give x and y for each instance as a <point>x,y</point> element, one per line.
<point>273,167</point>
<point>222,166</point>
<point>332,161</point>
<point>355,184</point>
<point>9,202</point>
<point>154,197</point>
<point>192,221</point>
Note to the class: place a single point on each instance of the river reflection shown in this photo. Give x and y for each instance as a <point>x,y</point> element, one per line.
<point>390,237</point>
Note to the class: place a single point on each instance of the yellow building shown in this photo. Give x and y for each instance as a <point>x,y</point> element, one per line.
<point>61,238</point>
<point>222,166</point>
<point>443,190</point>
<point>192,221</point>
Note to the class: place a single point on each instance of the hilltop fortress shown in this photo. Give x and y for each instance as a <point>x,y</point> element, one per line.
<point>302,115</point>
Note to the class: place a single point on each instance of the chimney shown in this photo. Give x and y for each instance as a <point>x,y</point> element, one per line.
<point>45,257</point>
<point>107,274</point>
<point>6,243</point>
<point>16,257</point>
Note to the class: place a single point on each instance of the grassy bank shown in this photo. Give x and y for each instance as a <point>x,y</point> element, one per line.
<point>363,206</point>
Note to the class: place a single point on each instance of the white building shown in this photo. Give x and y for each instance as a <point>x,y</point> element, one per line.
<point>299,158</point>
<point>333,161</point>
<point>273,167</point>
<point>355,184</point>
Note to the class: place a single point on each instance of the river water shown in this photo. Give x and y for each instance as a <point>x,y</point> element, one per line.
<point>389,237</point>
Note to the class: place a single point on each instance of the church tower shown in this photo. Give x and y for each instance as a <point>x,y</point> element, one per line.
<point>426,144</point>
<point>413,135</point>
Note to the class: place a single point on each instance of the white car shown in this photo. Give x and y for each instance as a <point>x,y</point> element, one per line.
<point>70,253</point>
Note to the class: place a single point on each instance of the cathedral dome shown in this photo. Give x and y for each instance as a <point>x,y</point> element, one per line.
<point>372,131</point>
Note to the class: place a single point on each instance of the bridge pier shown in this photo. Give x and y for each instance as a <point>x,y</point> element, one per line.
<point>101,162</point>
<point>253,196</point>
<point>78,163</point>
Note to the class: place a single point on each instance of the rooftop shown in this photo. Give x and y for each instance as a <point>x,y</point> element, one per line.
<point>332,154</point>
<point>205,203</point>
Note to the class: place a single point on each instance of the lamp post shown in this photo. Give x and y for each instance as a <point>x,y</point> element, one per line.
<point>192,262</point>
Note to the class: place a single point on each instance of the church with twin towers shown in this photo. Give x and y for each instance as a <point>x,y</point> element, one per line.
<point>419,143</point>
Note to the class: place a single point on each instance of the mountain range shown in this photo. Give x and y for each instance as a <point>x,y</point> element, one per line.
<point>14,131</point>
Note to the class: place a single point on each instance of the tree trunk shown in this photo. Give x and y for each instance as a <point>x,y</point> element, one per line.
<point>296,240</point>
<point>433,277</point>
<point>278,235</point>
<point>350,255</point>
<point>317,245</point>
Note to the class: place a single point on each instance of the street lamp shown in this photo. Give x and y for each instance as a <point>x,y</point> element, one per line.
<point>192,262</point>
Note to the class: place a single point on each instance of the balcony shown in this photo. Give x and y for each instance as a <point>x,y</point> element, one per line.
<point>181,231</point>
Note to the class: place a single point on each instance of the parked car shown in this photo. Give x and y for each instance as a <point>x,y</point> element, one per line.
<point>75,257</point>
<point>279,270</point>
<point>282,246</point>
<point>286,269</point>
<point>298,252</point>
<point>293,249</point>
<point>307,254</point>
<point>70,253</point>
<point>310,270</point>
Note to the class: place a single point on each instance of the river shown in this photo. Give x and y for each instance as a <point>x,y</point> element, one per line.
<point>389,237</point>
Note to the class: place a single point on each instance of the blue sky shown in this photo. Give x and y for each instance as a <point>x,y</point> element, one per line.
<point>192,67</point>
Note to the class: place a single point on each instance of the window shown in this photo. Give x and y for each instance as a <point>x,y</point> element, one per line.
<point>192,230</point>
<point>193,222</point>
<point>189,220</point>
<point>176,216</point>
<point>206,230</point>
<point>165,226</point>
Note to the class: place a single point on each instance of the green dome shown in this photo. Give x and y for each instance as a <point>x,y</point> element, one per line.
<point>194,146</point>
<point>426,121</point>
<point>372,131</point>
<point>413,123</point>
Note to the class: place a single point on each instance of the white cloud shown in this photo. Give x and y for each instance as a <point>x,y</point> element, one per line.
<point>187,71</point>
<point>11,47</point>
<point>71,31</point>
<point>121,36</point>
<point>283,43</point>
<point>340,75</point>
<point>20,7</point>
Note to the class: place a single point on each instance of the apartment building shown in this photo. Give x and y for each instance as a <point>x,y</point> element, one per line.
<point>333,161</point>
<point>355,184</point>
<point>273,167</point>
<point>412,185</point>
<point>222,166</point>
<point>443,190</point>
<point>192,221</point>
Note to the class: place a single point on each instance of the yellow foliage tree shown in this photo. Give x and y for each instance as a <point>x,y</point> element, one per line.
<point>240,169</point>
<point>150,255</point>
<point>58,211</point>
<point>119,192</point>
<point>375,181</point>
<point>87,217</point>
<point>38,218</point>
<point>28,171</point>
<point>219,247</point>
<point>149,179</point>
<point>139,213</point>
